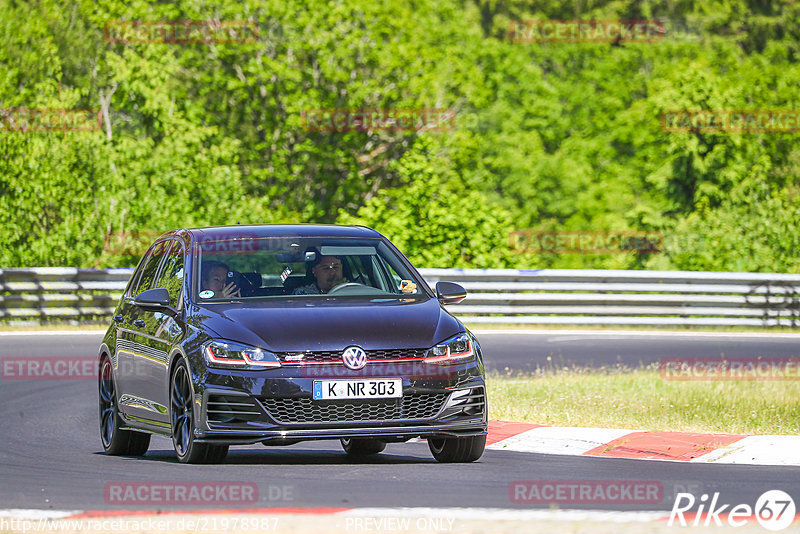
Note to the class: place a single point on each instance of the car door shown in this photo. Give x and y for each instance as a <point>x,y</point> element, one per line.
<point>163,331</point>
<point>120,360</point>
<point>133,348</point>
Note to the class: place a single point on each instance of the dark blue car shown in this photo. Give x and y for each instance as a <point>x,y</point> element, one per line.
<point>283,333</point>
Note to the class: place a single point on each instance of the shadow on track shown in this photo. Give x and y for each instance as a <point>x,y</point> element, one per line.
<point>287,457</point>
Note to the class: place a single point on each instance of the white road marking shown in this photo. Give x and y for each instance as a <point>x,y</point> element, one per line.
<point>21,513</point>
<point>502,514</point>
<point>54,333</point>
<point>757,450</point>
<point>559,440</point>
<point>462,514</point>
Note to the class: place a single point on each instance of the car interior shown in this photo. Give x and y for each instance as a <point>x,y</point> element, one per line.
<point>282,273</point>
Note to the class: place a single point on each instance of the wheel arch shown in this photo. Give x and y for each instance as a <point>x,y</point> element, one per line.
<point>177,356</point>
<point>105,353</point>
<point>104,350</point>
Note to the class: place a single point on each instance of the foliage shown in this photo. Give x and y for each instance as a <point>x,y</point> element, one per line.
<point>547,136</point>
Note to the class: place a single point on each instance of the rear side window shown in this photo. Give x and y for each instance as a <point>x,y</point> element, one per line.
<point>172,274</point>
<point>151,268</point>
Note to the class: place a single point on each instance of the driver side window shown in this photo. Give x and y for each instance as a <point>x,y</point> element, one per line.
<point>151,268</point>
<point>172,274</point>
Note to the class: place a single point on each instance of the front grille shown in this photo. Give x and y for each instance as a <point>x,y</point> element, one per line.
<point>336,355</point>
<point>232,409</point>
<point>305,410</point>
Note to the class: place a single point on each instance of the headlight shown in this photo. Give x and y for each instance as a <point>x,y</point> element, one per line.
<point>457,349</point>
<point>229,355</point>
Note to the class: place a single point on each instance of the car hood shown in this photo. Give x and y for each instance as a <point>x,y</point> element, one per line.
<point>332,324</point>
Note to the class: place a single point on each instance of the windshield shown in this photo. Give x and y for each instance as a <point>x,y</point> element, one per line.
<point>254,268</point>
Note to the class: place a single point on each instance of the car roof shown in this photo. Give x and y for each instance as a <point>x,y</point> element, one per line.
<point>277,230</point>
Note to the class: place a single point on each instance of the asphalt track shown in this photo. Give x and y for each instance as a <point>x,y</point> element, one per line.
<point>518,351</point>
<point>51,458</point>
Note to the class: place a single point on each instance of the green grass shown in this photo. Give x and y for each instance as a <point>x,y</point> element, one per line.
<point>640,399</point>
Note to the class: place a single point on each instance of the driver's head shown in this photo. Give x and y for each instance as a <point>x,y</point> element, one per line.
<point>328,272</point>
<point>214,275</point>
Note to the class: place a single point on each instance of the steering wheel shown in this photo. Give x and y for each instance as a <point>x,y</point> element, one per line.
<point>344,285</point>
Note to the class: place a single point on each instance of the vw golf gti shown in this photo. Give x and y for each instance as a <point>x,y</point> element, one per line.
<point>278,334</point>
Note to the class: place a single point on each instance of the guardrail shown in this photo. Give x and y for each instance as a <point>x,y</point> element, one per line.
<point>533,296</point>
<point>47,294</point>
<point>598,297</point>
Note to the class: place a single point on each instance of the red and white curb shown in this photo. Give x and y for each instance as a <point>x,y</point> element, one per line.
<point>622,443</point>
<point>445,516</point>
<point>373,519</point>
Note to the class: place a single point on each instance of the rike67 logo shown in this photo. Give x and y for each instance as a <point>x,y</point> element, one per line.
<point>774,510</point>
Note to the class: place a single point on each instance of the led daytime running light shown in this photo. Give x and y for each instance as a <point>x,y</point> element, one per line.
<point>240,359</point>
<point>450,356</point>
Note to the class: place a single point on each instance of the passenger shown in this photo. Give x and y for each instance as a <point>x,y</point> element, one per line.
<point>327,271</point>
<point>214,276</point>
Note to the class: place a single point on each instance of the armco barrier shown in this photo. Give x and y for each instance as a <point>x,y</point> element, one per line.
<point>534,296</point>
<point>47,294</point>
<point>597,297</point>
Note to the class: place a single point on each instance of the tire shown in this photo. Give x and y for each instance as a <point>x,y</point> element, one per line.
<point>116,441</point>
<point>181,416</point>
<point>459,450</point>
<point>362,446</point>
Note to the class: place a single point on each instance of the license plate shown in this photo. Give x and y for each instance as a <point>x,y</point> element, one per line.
<point>379,388</point>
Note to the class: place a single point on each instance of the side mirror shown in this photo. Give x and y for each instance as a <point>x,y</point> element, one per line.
<point>450,292</point>
<point>156,299</point>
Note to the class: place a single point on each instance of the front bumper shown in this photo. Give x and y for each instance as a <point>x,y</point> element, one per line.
<point>454,407</point>
<point>388,433</point>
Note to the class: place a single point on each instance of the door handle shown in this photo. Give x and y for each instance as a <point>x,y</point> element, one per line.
<point>139,323</point>
<point>118,318</point>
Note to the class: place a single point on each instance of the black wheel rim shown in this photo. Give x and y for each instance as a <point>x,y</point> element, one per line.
<point>181,404</point>
<point>108,408</point>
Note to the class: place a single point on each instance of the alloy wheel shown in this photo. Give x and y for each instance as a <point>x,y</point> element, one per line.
<point>108,399</point>
<point>181,404</point>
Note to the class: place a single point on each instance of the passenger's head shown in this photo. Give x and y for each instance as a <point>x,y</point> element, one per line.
<point>214,275</point>
<point>328,272</point>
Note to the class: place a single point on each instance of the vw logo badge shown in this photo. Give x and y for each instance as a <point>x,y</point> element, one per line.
<point>354,358</point>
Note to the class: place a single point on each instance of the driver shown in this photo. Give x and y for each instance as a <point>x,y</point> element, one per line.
<point>327,271</point>
<point>214,277</point>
